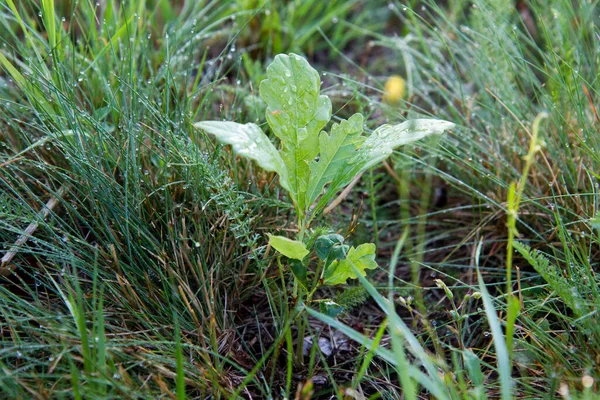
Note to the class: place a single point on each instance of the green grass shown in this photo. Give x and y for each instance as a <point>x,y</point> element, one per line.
<point>145,271</point>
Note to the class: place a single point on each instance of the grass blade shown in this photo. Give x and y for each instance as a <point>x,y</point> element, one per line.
<point>504,368</point>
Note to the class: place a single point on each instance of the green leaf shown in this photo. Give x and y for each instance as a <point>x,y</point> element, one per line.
<point>288,247</point>
<point>363,258</point>
<point>378,146</point>
<point>248,141</point>
<point>382,142</point>
<point>338,252</point>
<point>296,113</point>
<point>299,271</point>
<point>324,244</point>
<point>330,308</point>
<point>335,152</point>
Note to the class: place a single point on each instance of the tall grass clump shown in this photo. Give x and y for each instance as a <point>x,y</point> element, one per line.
<point>139,225</point>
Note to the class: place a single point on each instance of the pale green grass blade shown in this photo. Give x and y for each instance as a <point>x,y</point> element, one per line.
<point>502,355</point>
<point>411,371</point>
<point>48,14</point>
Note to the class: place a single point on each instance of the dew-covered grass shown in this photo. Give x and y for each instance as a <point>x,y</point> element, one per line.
<point>134,258</point>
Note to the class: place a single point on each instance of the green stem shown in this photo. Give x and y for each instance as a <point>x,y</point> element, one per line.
<point>302,224</point>
<point>298,293</point>
<point>299,356</point>
<point>515,193</point>
<point>373,208</point>
<point>415,265</point>
<point>514,198</point>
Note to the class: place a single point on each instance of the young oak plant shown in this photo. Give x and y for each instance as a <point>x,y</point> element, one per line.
<point>313,165</point>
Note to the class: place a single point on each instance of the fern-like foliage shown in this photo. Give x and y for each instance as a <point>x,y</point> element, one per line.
<point>568,293</point>
<point>351,297</point>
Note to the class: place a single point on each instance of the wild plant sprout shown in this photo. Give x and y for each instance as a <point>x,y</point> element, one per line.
<point>313,165</point>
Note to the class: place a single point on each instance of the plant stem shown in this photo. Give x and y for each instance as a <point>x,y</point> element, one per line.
<point>513,201</point>
<point>298,293</point>
<point>373,208</point>
<point>514,198</point>
<point>299,356</point>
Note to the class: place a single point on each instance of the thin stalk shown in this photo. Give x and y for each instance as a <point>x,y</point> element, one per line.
<point>299,354</point>
<point>514,198</point>
<point>373,208</point>
<point>300,318</point>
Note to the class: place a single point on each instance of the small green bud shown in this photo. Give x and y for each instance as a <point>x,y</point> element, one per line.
<point>440,283</point>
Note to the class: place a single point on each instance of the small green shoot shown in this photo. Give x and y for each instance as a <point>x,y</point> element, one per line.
<point>313,166</point>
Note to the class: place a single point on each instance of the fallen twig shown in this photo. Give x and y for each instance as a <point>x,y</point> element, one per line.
<point>5,266</point>
<point>342,195</point>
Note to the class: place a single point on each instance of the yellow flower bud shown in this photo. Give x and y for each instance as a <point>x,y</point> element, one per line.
<point>395,89</point>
